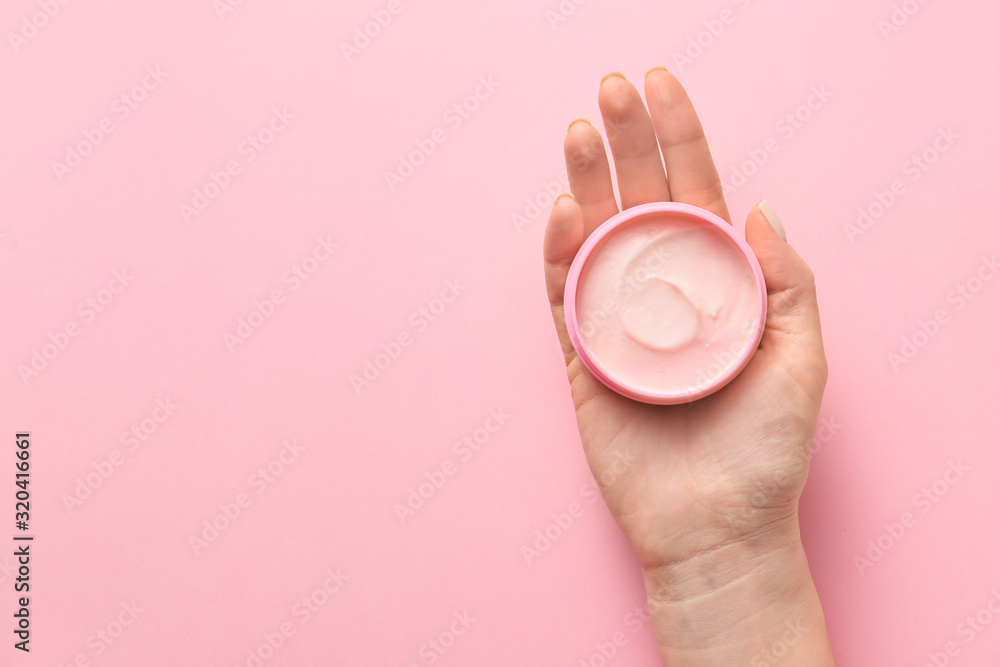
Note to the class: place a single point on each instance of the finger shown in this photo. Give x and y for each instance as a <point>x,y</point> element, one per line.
<point>563,238</point>
<point>792,327</point>
<point>589,174</point>
<point>633,143</point>
<point>691,171</point>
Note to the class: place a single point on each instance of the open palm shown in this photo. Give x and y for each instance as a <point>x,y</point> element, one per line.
<point>686,479</point>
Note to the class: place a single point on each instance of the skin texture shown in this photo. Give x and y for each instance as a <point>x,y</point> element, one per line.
<point>706,492</point>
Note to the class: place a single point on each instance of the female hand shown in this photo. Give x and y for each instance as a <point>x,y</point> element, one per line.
<point>706,492</point>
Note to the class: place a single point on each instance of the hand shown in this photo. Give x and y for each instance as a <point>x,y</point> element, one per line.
<point>697,485</point>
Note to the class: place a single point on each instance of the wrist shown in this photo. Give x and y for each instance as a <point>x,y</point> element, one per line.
<point>746,602</point>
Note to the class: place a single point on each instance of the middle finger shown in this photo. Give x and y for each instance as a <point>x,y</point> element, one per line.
<point>636,153</point>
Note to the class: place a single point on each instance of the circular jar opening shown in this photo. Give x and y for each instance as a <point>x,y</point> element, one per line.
<point>665,303</point>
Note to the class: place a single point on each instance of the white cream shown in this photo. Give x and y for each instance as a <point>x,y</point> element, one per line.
<point>667,304</point>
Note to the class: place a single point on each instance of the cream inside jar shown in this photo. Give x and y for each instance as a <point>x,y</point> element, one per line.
<point>669,304</point>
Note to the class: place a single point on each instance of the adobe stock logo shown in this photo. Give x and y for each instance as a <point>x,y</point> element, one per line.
<point>914,168</point>
<point>899,17</point>
<point>792,634</point>
<point>420,319</point>
<point>455,116</point>
<point>544,538</point>
<point>265,308</point>
<point>959,296</point>
<point>435,648</point>
<point>88,310</point>
<point>223,7</point>
<point>103,468</point>
<point>968,630</point>
<point>30,25</point>
<point>249,149</point>
<point>562,12</point>
<point>634,621</point>
<point>464,449</point>
<point>922,501</point>
<point>365,34</point>
<point>785,127</point>
<point>105,637</point>
<point>713,29</point>
<point>121,108</point>
<point>305,609</point>
<point>543,200</point>
<point>230,511</point>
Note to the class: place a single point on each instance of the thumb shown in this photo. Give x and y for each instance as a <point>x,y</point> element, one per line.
<point>793,326</point>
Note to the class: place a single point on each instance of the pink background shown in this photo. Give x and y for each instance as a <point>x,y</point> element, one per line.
<point>464,215</point>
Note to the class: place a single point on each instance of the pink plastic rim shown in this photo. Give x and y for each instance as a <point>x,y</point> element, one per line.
<point>641,212</point>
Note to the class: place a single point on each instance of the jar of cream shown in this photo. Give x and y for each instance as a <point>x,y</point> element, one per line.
<point>665,303</point>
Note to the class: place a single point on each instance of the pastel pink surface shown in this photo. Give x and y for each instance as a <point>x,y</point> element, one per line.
<point>432,284</point>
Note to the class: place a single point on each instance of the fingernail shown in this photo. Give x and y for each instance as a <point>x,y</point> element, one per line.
<point>561,195</point>
<point>772,217</point>
<point>578,120</point>
<point>611,74</point>
<point>653,69</point>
